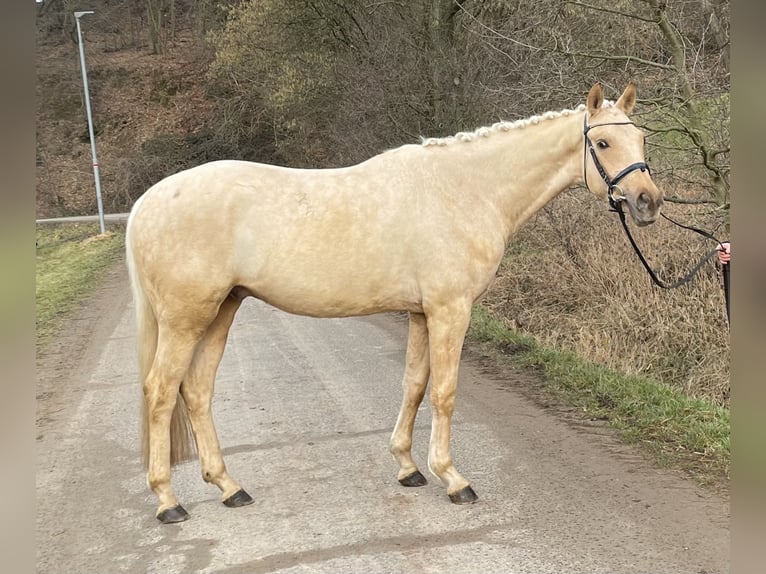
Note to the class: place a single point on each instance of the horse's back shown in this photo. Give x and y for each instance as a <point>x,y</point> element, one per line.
<point>316,242</point>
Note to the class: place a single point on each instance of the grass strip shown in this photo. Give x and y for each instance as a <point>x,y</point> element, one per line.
<point>71,263</point>
<point>678,430</point>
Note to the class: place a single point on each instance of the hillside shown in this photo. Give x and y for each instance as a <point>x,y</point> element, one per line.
<point>327,83</point>
<point>137,99</point>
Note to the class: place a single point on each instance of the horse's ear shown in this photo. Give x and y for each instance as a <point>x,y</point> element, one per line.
<point>595,99</point>
<point>627,99</point>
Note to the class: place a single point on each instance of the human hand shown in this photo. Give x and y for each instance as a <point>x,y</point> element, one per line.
<point>724,253</point>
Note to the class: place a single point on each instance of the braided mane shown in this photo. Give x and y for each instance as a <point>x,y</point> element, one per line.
<point>504,126</point>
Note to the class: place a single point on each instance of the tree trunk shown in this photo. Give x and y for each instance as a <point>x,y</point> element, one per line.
<point>690,121</point>
<point>443,63</point>
<point>155,12</point>
<point>711,9</point>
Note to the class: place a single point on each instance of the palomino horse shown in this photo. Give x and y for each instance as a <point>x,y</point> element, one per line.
<point>420,228</point>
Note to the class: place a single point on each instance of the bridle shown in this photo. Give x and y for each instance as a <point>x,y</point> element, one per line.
<point>615,203</point>
<point>611,183</point>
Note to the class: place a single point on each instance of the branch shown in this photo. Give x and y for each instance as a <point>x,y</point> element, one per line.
<point>565,52</point>
<point>356,23</point>
<point>664,130</point>
<point>618,58</point>
<point>690,201</point>
<point>708,156</point>
<point>493,31</point>
<point>601,9</point>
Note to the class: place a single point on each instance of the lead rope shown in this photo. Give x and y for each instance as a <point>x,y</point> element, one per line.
<point>725,267</point>
<point>617,207</point>
<point>726,271</point>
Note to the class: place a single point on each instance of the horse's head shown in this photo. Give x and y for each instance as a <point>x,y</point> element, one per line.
<point>614,156</point>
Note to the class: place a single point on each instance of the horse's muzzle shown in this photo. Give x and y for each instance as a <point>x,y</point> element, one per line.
<point>645,207</point>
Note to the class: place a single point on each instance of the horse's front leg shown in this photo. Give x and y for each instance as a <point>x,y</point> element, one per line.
<point>446,331</point>
<point>414,384</point>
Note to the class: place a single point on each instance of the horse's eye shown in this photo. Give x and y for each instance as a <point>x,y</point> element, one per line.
<point>602,144</point>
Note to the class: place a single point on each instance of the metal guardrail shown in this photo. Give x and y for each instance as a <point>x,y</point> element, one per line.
<point>111,217</point>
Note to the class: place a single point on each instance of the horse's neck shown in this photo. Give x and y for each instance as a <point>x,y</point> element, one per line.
<point>530,166</point>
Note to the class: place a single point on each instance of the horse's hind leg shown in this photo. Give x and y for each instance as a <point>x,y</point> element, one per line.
<point>446,331</point>
<point>175,348</point>
<point>197,391</point>
<point>416,374</point>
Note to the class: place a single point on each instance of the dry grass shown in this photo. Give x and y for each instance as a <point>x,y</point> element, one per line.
<point>571,280</point>
<point>71,263</point>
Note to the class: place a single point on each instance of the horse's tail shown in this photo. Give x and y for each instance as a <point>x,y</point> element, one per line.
<point>181,440</point>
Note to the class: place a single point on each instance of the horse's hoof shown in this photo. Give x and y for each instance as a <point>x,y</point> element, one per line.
<point>465,495</point>
<point>239,498</point>
<point>172,515</point>
<point>414,479</point>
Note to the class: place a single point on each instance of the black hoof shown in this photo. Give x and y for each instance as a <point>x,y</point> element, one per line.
<point>414,479</point>
<point>239,498</point>
<point>465,495</point>
<point>172,515</point>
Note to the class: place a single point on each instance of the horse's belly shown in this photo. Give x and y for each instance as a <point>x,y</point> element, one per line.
<point>331,292</point>
<point>343,303</point>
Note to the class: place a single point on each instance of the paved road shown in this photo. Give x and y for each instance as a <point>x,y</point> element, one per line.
<point>304,409</point>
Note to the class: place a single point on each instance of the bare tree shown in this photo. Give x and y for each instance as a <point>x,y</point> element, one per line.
<point>160,16</point>
<point>677,51</point>
<point>689,118</point>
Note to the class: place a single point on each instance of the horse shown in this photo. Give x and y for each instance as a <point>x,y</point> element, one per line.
<point>421,228</point>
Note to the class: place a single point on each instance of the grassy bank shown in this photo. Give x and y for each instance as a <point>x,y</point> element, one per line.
<point>71,263</point>
<point>571,280</point>
<point>679,431</point>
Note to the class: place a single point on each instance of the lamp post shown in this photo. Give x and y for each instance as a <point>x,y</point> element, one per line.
<point>77,16</point>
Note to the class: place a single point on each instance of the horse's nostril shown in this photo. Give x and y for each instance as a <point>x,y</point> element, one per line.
<point>645,200</point>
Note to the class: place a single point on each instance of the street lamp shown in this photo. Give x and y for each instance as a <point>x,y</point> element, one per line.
<point>77,16</point>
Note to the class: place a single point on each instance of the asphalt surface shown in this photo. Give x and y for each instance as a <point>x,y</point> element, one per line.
<point>304,409</point>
